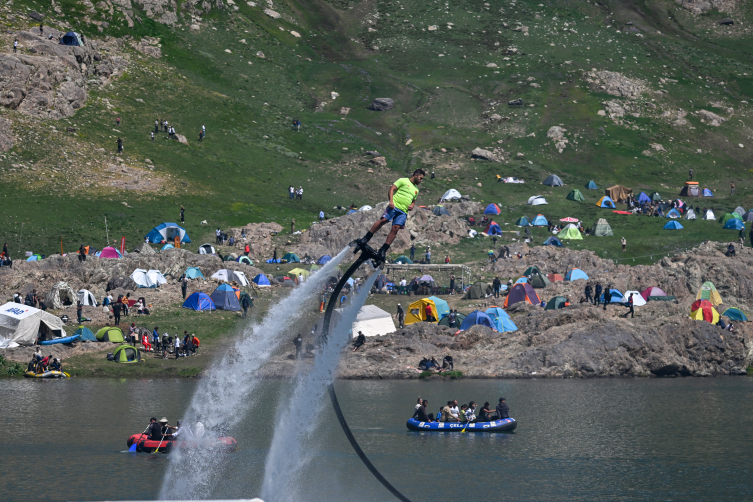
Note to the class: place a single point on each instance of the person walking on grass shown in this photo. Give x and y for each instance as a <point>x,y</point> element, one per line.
<point>732,188</point>
<point>15,46</point>
<point>292,226</point>
<point>177,346</point>
<point>184,285</point>
<point>245,304</point>
<point>690,175</point>
<point>624,244</point>
<point>402,196</point>
<point>120,145</point>
<point>156,126</point>
<point>117,121</point>
<point>321,216</point>
<point>182,214</point>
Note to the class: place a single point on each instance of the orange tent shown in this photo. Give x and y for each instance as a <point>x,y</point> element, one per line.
<point>555,277</point>
<point>522,292</point>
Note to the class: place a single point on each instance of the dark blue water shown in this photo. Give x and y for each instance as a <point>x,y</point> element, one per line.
<point>637,439</point>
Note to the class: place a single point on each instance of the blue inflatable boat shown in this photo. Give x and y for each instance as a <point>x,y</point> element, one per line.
<point>65,339</point>
<point>504,425</point>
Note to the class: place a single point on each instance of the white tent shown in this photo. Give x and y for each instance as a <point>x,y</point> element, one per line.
<point>86,298</point>
<point>226,275</point>
<point>451,194</point>
<point>206,249</point>
<point>638,300</point>
<point>690,215</point>
<point>373,321</point>
<point>22,324</point>
<point>537,200</point>
<point>709,215</point>
<point>366,208</point>
<point>148,279</point>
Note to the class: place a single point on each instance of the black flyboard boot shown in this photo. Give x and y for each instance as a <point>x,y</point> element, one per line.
<point>361,243</point>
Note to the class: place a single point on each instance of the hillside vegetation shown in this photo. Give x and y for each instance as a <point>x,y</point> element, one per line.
<point>644,90</point>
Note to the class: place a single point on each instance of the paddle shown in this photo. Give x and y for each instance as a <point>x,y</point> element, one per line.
<point>136,443</point>
<point>160,444</point>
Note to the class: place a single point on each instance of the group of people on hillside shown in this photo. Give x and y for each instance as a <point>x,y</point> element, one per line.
<point>184,346</point>
<point>432,365</point>
<point>464,413</point>
<point>298,194</point>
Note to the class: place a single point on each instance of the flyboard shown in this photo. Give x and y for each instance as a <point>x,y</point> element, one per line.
<point>367,253</point>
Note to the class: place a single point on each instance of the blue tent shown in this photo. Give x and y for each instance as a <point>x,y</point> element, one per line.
<point>493,229</point>
<point>224,298</point>
<point>352,211</point>
<point>521,280</point>
<point>88,335</point>
<point>734,224</point>
<point>442,308</point>
<point>575,274</point>
<point>34,257</point>
<point>501,320</point>
<point>167,246</point>
<point>615,295</point>
<point>643,198</point>
<point>606,201</point>
<point>492,209</point>
<point>167,232</point>
<point>71,38</point>
<point>591,186</point>
<point>261,280</point>
<point>193,273</point>
<point>553,241</point>
<point>477,317</point>
<point>272,260</point>
<point>199,301</point>
<point>522,222</point>
<point>673,213</point>
<point>323,260</point>
<point>539,221</point>
<point>707,193</point>
<point>733,313</point>
<point>673,225</point>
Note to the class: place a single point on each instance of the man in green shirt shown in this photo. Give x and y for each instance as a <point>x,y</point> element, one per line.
<point>402,196</point>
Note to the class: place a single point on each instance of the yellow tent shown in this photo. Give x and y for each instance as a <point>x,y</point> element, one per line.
<point>708,292</point>
<point>417,311</point>
<point>708,314</point>
<point>298,271</point>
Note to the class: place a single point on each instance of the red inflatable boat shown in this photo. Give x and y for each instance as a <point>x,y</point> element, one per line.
<point>143,443</point>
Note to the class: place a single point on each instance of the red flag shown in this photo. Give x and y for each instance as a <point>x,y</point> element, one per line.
<point>122,245</point>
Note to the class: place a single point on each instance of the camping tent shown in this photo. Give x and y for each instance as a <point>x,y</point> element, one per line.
<point>673,213</point>
<point>570,232</point>
<point>502,321</point>
<point>71,38</point>
<point>226,275</point>
<point>492,209</point>
<point>110,334</point>
<point>87,298</point>
<point>537,200</point>
<point>539,221</point>
<point>373,321</point>
<point>553,181</point>
<point>199,301</point>
<point>691,189</point>
<point>638,300</point>
<point>21,324</point>
<point>520,293</point>
<point>324,260</point>
<point>652,291</point>
<point>225,298</point>
<point>748,216</point>
<point>533,269</point>
<point>126,354</point>
<point>614,296</point>
<point>193,273</point>
<point>167,232</point>
<point>295,272</point>
<point>558,302</point>
<point>643,198</point>
<point>591,186</point>
<point>440,210</point>
<point>576,195</point>
<point>553,241</point>
<point>707,193</point>
<point>478,290</point>
<point>451,194</point>
<point>539,281</point>
<point>703,310</point>
<point>60,295</point>
<point>166,247</point>
<point>244,259</point>
<point>110,252</point>
<point>493,229</point>
<point>291,258</point>
<point>522,280</point>
<point>735,314</point>
<point>261,281</point>
<point>601,228</point>
<point>734,224</point>
<point>605,202</point>
<point>673,225</point>
<point>206,249</point>
<point>619,193</point>
<point>352,211</point>
<point>709,215</point>
<point>143,249</point>
<point>404,260</point>
<point>366,208</point>
<point>148,279</point>
<point>574,274</point>
<point>708,292</point>
<point>34,257</point>
<point>86,334</point>
<point>522,222</point>
<point>740,211</point>
<point>417,310</point>
<point>726,217</point>
<point>477,317</point>
<point>555,278</point>
<point>690,214</point>
<point>445,321</point>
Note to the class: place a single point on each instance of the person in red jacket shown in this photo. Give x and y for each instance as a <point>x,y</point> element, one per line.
<point>246,250</point>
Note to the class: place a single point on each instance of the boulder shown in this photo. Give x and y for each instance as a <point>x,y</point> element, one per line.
<point>480,153</point>
<point>703,6</point>
<point>516,102</point>
<point>614,83</point>
<point>726,21</point>
<point>712,118</point>
<point>379,161</point>
<point>382,104</point>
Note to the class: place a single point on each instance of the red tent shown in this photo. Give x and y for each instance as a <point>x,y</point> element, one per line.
<point>522,292</point>
<point>555,277</point>
<point>652,291</point>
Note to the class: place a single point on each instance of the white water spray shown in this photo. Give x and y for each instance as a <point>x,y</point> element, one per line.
<point>287,453</point>
<point>221,397</point>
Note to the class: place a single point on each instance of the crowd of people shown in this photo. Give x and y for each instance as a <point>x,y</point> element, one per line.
<point>464,413</point>
<point>40,364</point>
<point>163,344</point>
<point>427,364</point>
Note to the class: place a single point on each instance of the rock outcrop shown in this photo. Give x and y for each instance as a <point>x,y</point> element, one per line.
<point>703,6</point>
<point>258,237</point>
<point>382,104</point>
<point>614,83</point>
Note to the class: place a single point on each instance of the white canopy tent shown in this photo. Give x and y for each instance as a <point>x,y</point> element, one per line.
<point>226,275</point>
<point>373,321</point>
<point>148,279</point>
<point>22,324</point>
<point>451,194</point>
<point>87,298</point>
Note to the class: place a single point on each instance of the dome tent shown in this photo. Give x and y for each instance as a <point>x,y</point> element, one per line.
<point>324,260</point>
<point>555,278</point>
<point>493,229</point>
<point>167,232</point>
<point>703,310</point>
<point>193,273</point>
<point>477,317</point>
<point>167,247</point>
<point>478,290</point>
<point>404,260</point>
<point>224,298</point>
<point>652,292</point>
<point>539,221</point>
<point>148,279</point>
<point>591,186</point>
<point>522,292</point>
<point>606,202</point>
<point>291,258</point>
<point>501,319</point>
<point>734,224</point>
<point>87,298</point>
<point>673,225</point>
<point>261,281</point>
<point>440,211</point>
<point>576,195</point>
<point>570,232</point>
<point>643,198</point>
<point>638,300</point>
<point>199,301</point>
<point>558,302</point>
<point>601,228</point>
<point>735,314</point>
<point>673,213</point>
<point>690,215</point>
<point>707,193</point>
<point>206,249</point>
<point>110,334</point>
<point>553,241</point>
<point>553,181</point>
<point>708,292</point>
<point>655,197</point>
<point>226,275</point>
<point>537,200</point>
<point>245,259</point>
<point>709,215</point>
<point>60,295</point>
<point>445,321</point>
<point>614,296</point>
<point>417,310</point>
<point>452,195</point>
<point>539,281</point>
<point>492,209</point>
<point>574,274</point>
<point>110,252</point>
<point>522,222</point>
<point>533,269</point>
<point>71,38</point>
<point>126,354</point>
<point>86,334</point>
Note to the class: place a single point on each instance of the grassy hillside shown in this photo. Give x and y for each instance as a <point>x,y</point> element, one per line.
<point>449,66</point>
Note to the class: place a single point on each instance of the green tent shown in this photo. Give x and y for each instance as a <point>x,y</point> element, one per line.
<point>313,268</point>
<point>459,318</point>
<point>727,216</point>
<point>404,260</point>
<point>245,259</point>
<point>576,196</point>
<point>557,302</point>
<point>126,354</point>
<point>601,228</point>
<point>478,290</point>
<point>522,222</point>
<point>539,281</point>
<point>291,258</point>
<point>736,214</point>
<point>533,269</point>
<point>110,334</point>
<point>655,196</point>
<point>570,232</point>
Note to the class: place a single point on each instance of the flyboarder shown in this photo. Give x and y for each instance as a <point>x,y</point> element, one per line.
<point>402,196</point>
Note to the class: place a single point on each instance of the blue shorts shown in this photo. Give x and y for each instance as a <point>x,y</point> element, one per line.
<point>397,216</point>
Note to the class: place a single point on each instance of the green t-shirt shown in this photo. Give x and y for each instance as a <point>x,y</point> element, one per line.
<point>405,195</point>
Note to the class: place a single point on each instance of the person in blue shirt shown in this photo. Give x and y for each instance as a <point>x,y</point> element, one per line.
<point>156,338</point>
<point>321,216</point>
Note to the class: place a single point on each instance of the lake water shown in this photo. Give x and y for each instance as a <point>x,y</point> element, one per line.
<point>636,439</point>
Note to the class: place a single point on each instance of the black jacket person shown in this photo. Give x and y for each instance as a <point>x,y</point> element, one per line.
<point>503,411</point>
